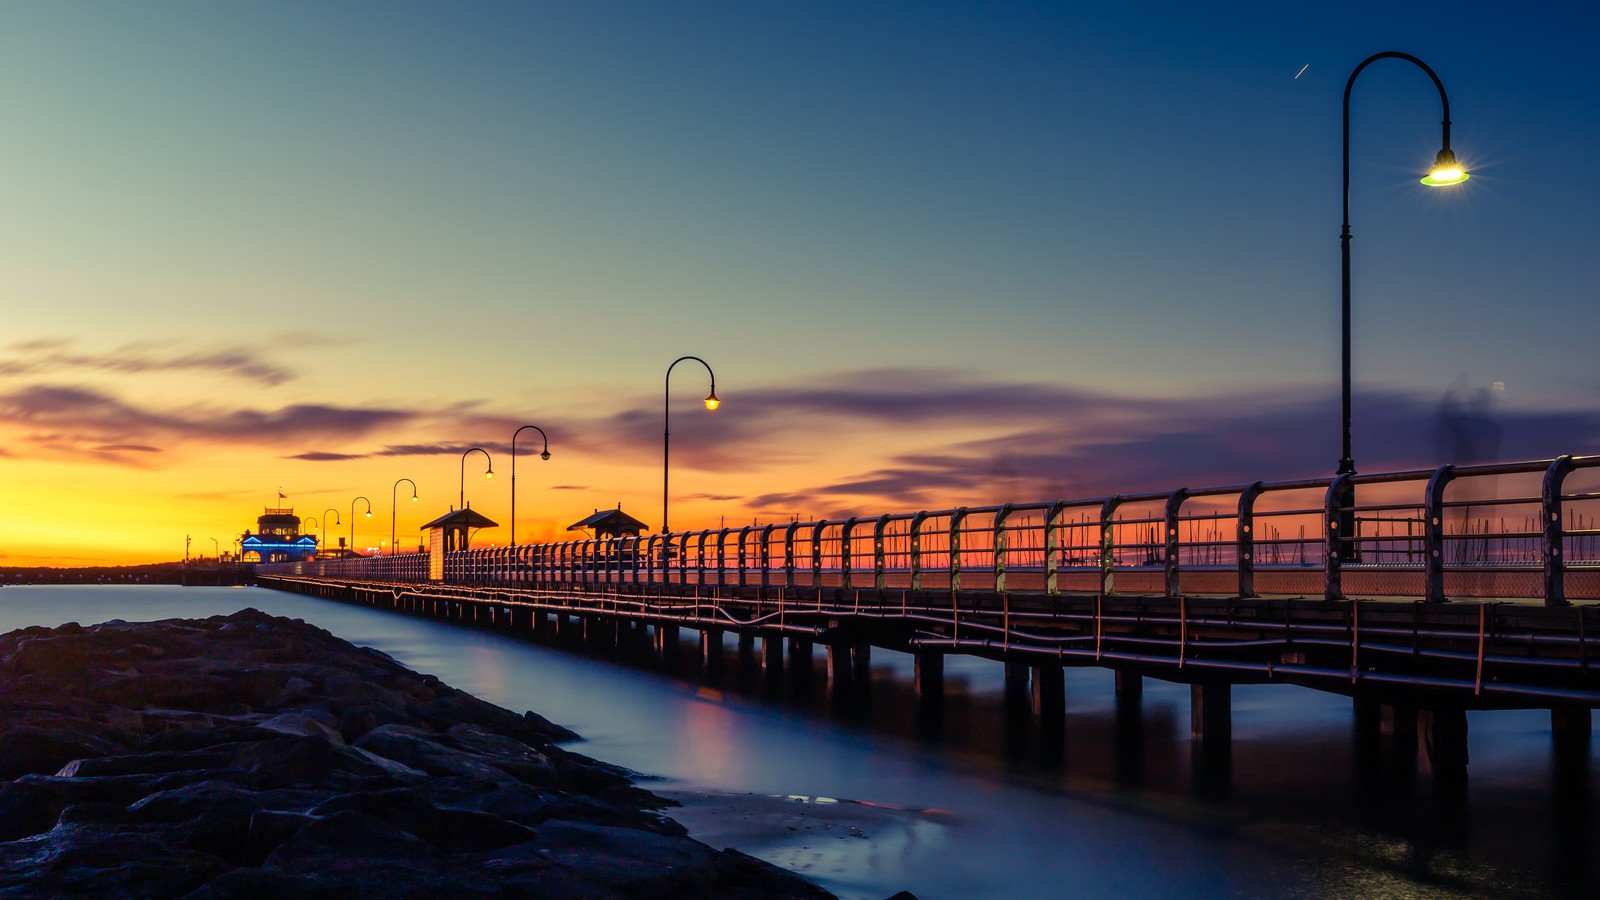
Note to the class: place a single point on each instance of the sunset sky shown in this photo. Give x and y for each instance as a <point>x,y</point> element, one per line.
<point>937,253</point>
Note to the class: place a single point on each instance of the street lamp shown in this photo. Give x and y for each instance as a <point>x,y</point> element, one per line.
<point>216,550</point>
<point>545,455</point>
<point>394,499</point>
<point>353,520</point>
<point>325,522</point>
<point>488,472</point>
<point>666,432</point>
<point>1446,171</point>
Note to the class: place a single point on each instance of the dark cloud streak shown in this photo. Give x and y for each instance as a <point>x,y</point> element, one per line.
<point>52,356</point>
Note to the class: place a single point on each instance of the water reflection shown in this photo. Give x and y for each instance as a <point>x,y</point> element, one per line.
<point>1115,800</point>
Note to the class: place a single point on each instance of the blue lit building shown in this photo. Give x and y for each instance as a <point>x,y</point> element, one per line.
<point>278,539</point>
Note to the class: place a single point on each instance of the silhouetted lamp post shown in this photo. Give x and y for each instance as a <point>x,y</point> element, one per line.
<point>488,472</point>
<point>1446,171</point>
<point>352,547</point>
<point>216,549</point>
<point>545,454</point>
<point>394,500</point>
<point>325,523</point>
<point>666,432</point>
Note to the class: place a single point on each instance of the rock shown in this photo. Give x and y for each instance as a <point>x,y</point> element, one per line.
<point>419,750</point>
<point>80,861</point>
<point>28,749</point>
<point>737,876</point>
<point>312,723</point>
<point>246,756</point>
<point>143,763</point>
<point>254,883</point>
<point>634,862</point>
<point>449,829</point>
<point>506,754</point>
<point>271,827</point>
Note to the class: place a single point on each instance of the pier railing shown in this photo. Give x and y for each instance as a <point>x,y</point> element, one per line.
<point>1510,531</point>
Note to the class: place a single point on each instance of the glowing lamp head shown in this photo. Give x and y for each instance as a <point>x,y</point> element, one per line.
<point>489,474</point>
<point>712,402</point>
<point>1445,171</point>
<point>413,498</point>
<point>545,455</point>
<point>369,513</point>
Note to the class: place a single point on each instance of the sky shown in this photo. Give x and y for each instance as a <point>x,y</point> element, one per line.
<point>937,254</point>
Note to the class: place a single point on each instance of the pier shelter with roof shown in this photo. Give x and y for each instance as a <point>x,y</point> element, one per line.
<point>278,538</point>
<point>610,523</point>
<point>449,533</point>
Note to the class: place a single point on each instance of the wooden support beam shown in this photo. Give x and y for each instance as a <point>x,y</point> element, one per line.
<point>1211,712</point>
<point>1049,693</point>
<point>929,675</point>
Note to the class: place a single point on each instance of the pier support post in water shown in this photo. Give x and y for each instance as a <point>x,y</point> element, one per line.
<point>861,666</point>
<point>667,643</point>
<point>929,676</point>
<point>1016,688</point>
<point>711,651</point>
<point>772,658</point>
<point>747,652</point>
<point>1130,689</point>
<point>1368,714</point>
<point>1128,729</point>
<point>800,660</point>
<point>1211,712</point>
<point>1211,725</point>
<point>849,667</point>
<point>1402,722</point>
<point>1571,723</point>
<point>838,663</point>
<point>1444,734</point>
<point>1049,693</point>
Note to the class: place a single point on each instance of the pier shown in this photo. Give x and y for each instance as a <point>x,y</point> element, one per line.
<point>1416,609</point>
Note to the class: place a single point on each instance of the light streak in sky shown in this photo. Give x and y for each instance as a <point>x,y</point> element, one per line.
<point>1302,71</point>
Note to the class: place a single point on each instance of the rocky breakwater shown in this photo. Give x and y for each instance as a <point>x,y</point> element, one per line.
<point>248,756</point>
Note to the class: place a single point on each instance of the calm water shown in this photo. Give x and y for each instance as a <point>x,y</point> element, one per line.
<point>969,808</point>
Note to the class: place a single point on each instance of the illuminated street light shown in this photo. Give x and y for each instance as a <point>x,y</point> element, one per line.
<point>394,499</point>
<point>352,547</point>
<point>544,455</point>
<point>488,472</point>
<point>666,432</point>
<point>325,513</point>
<point>1446,171</point>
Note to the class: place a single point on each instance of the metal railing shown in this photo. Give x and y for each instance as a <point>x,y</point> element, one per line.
<point>1512,531</point>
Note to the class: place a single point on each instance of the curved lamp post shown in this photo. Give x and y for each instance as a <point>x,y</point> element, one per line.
<point>1446,171</point>
<point>394,499</point>
<point>353,520</point>
<point>325,523</point>
<point>216,549</point>
<point>488,472</point>
<point>666,432</point>
<point>545,455</point>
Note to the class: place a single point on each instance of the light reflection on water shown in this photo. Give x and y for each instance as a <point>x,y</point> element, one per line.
<point>1117,808</point>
